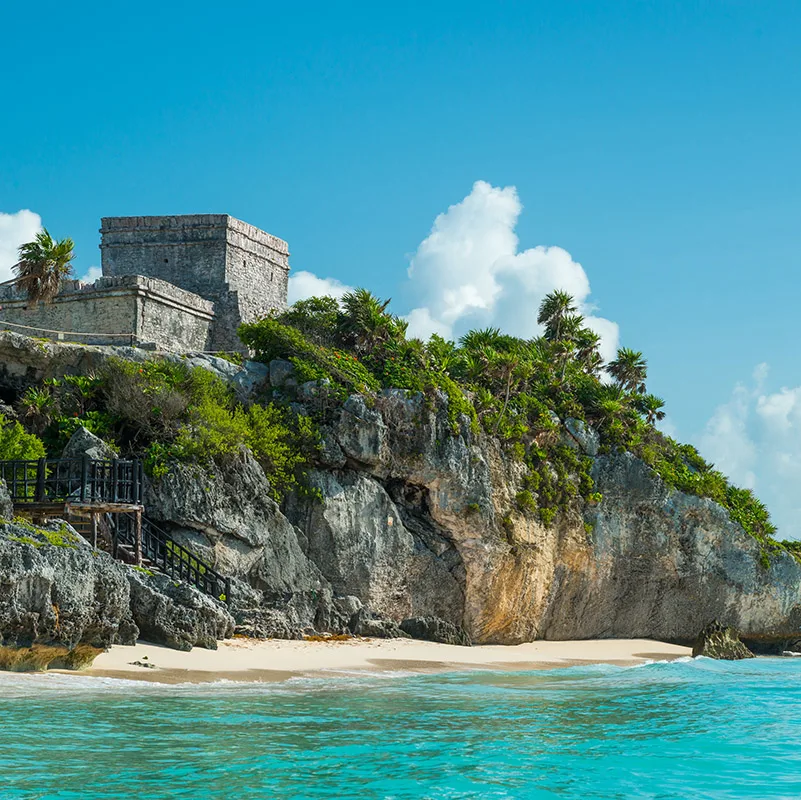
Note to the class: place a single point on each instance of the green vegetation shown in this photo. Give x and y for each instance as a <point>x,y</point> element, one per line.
<point>39,537</point>
<point>519,390</point>
<point>17,444</point>
<point>163,410</point>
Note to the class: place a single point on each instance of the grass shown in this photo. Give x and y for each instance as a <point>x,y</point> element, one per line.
<point>40,537</point>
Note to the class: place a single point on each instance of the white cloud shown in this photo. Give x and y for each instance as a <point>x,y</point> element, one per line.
<point>306,284</point>
<point>422,325</point>
<point>15,229</point>
<point>755,439</point>
<point>468,272</point>
<point>92,274</point>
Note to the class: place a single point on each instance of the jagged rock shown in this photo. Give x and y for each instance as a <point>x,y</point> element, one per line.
<point>645,561</point>
<point>176,614</point>
<point>331,454</point>
<point>252,379</point>
<point>61,594</point>
<point>282,373</point>
<point>84,443</point>
<point>6,504</point>
<point>229,519</point>
<point>7,412</point>
<point>366,623</point>
<point>433,629</point>
<point>361,431</point>
<point>348,608</point>
<point>722,642</point>
<point>582,437</point>
<point>357,540</point>
<point>255,618</point>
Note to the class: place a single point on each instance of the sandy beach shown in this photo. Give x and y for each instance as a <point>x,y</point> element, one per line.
<point>276,660</point>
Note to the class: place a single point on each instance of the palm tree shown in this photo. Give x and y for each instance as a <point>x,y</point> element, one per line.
<point>511,370</point>
<point>442,353</point>
<point>629,369</point>
<point>365,319</point>
<point>553,310</point>
<point>43,264</point>
<point>587,355</point>
<point>609,404</point>
<point>488,337</point>
<point>651,406</point>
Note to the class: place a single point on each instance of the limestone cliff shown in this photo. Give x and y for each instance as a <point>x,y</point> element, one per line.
<point>414,525</point>
<point>418,521</point>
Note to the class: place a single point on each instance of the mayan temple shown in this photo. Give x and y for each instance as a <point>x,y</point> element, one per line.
<point>181,283</point>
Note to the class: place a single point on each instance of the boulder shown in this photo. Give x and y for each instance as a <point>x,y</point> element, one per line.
<point>367,623</point>
<point>176,614</point>
<point>361,432</point>
<point>721,642</point>
<point>282,373</point>
<point>84,443</point>
<point>56,590</point>
<point>434,629</point>
<point>582,437</point>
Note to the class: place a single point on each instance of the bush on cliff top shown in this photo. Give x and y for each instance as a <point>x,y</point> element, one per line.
<point>515,389</point>
<point>17,444</point>
<point>163,410</point>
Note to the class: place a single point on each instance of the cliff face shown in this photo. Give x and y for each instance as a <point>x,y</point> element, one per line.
<point>417,521</point>
<point>56,590</point>
<point>414,520</point>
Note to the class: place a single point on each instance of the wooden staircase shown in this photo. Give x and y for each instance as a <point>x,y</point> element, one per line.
<point>102,500</point>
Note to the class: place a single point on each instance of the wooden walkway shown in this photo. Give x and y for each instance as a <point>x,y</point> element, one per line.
<point>106,497</point>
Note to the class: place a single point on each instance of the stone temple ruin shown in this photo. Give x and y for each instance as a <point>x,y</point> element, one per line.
<point>182,283</point>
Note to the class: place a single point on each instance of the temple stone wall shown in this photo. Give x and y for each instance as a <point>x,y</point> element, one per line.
<point>178,283</point>
<point>240,268</point>
<point>128,309</point>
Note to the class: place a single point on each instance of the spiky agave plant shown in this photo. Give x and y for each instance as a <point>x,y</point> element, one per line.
<point>43,264</point>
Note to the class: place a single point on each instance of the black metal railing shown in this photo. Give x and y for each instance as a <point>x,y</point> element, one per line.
<point>78,480</point>
<point>170,557</point>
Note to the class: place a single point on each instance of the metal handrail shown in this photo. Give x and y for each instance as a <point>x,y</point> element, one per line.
<point>77,480</point>
<point>171,558</point>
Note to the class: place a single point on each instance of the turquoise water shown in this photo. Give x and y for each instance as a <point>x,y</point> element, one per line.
<point>700,729</point>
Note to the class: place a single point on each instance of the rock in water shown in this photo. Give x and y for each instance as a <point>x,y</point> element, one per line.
<point>718,641</point>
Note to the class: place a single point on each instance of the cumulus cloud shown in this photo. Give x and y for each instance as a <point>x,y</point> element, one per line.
<point>307,284</point>
<point>15,229</point>
<point>755,439</point>
<point>92,274</point>
<point>469,271</point>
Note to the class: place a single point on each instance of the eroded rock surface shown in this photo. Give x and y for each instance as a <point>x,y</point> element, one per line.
<point>721,642</point>
<point>61,594</point>
<point>56,590</point>
<point>176,614</point>
<point>417,518</point>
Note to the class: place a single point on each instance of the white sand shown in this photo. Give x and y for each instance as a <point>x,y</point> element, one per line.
<point>242,659</point>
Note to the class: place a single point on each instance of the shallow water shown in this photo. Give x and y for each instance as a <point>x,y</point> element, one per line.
<point>692,728</point>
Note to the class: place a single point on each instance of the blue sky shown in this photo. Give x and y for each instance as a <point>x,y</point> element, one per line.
<point>657,143</point>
